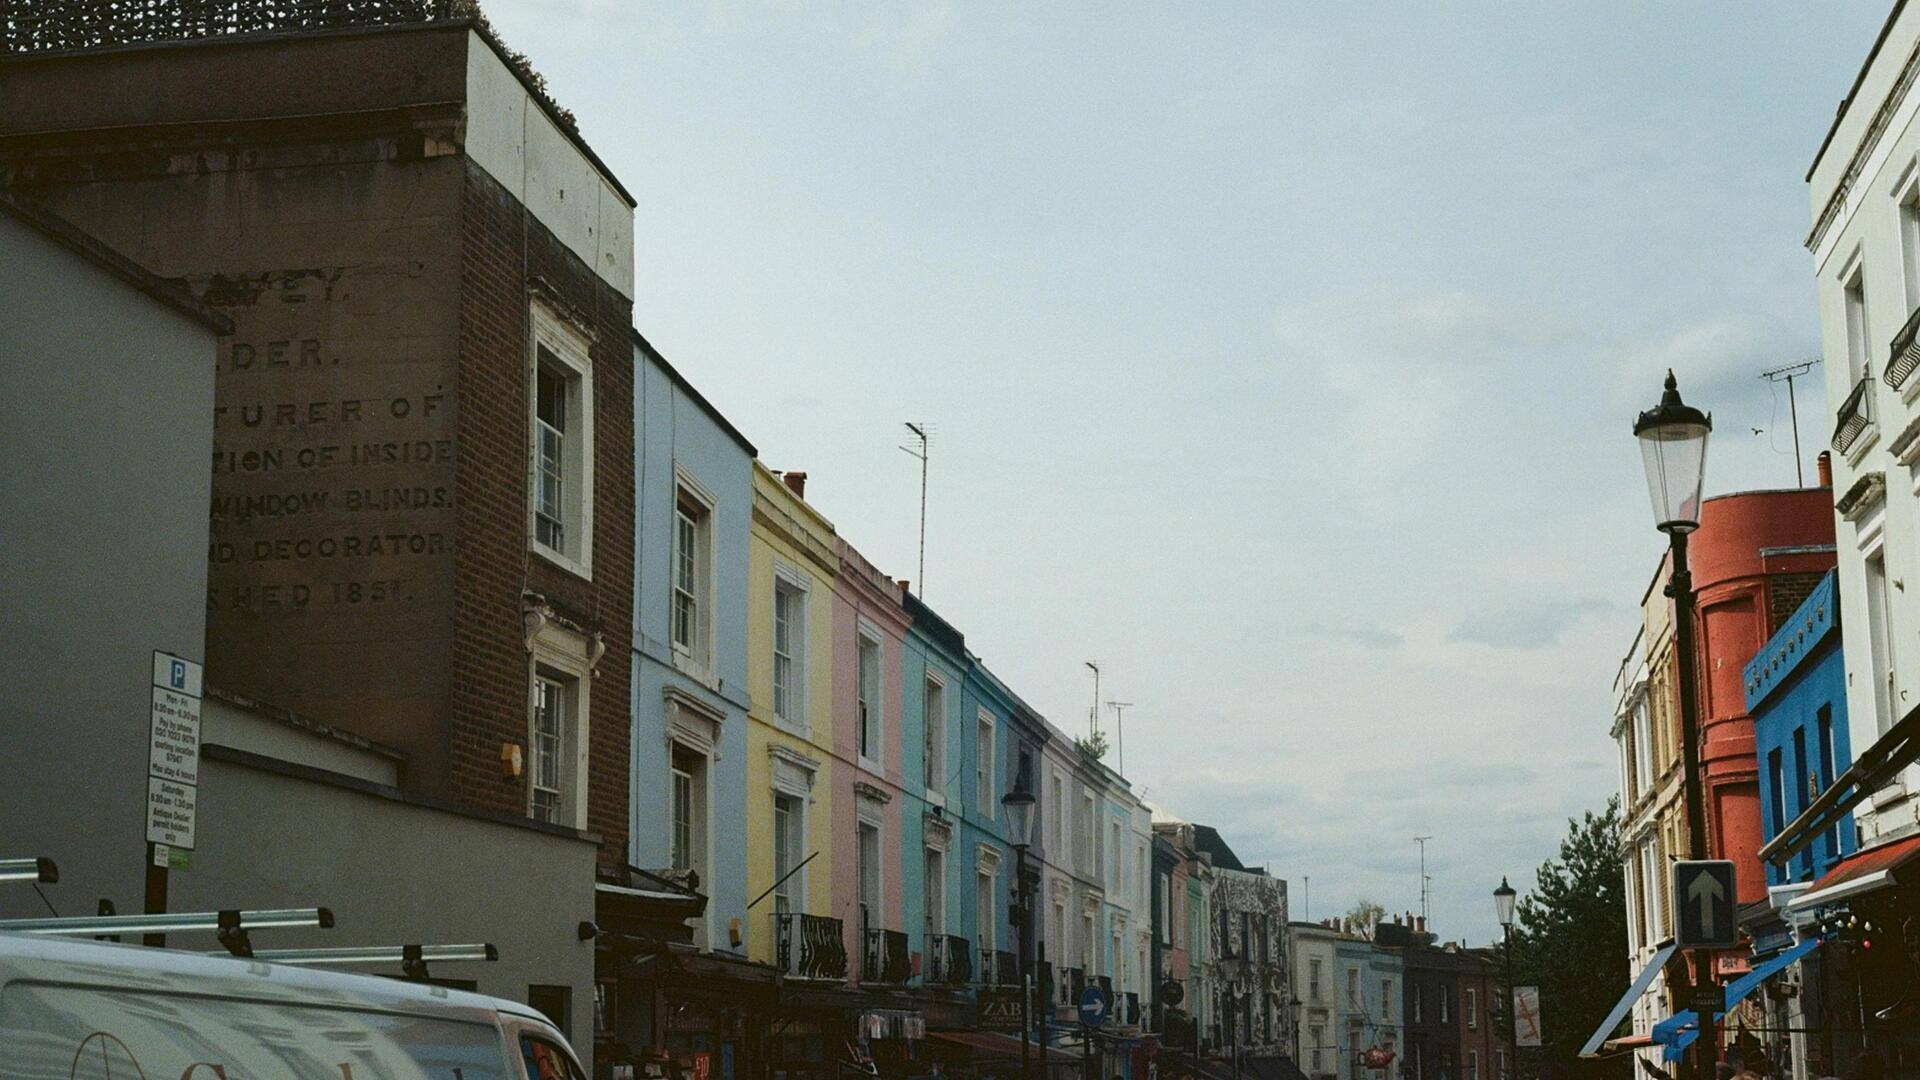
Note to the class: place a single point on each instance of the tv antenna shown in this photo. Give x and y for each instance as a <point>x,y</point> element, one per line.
<point>920,431</point>
<point>1424,879</point>
<point>1787,373</point>
<point>1093,714</point>
<point>1120,731</point>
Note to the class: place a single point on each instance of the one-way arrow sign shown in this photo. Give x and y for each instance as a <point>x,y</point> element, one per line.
<point>1703,899</point>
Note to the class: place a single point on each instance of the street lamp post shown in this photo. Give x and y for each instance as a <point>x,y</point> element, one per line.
<point>1019,807</point>
<point>1503,898</point>
<point>1673,444</point>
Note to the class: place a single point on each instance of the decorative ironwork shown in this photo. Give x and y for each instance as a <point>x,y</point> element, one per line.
<point>998,967</point>
<point>34,26</point>
<point>1854,415</point>
<point>885,957</point>
<point>810,946</point>
<point>60,25</point>
<point>1904,353</point>
<point>952,959</point>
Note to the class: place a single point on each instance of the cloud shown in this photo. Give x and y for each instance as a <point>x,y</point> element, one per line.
<point>1524,628</point>
<point>1364,635</point>
<point>1714,360</point>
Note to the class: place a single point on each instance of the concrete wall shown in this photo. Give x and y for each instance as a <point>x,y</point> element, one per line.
<point>104,426</point>
<point>395,872</point>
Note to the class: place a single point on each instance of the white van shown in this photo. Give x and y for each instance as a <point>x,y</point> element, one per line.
<point>82,1010</point>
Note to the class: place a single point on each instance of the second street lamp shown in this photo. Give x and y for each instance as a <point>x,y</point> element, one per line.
<point>1019,806</point>
<point>1503,901</point>
<point>1673,444</point>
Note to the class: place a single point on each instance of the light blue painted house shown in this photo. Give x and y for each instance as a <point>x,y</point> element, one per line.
<point>693,509</point>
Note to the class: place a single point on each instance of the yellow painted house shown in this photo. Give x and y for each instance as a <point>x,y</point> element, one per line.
<point>789,811</point>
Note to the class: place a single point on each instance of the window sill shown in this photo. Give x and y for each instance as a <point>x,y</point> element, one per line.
<point>1869,438</point>
<point>572,566</point>
<point>872,766</point>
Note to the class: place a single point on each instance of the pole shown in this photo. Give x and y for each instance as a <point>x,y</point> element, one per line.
<point>1680,588</point>
<point>1793,409</point>
<point>1513,1011</point>
<point>156,898</point>
<point>1024,899</point>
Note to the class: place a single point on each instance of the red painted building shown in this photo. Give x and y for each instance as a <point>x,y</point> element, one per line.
<point>1756,556</point>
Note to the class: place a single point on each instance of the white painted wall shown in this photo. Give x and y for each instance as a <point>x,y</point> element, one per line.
<point>1866,235</point>
<point>511,137</point>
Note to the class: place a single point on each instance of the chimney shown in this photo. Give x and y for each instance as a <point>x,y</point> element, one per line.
<point>796,482</point>
<point>1420,923</point>
<point>1823,468</point>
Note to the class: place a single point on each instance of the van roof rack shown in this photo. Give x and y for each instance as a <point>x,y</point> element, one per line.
<point>38,871</point>
<point>231,925</point>
<point>413,959</point>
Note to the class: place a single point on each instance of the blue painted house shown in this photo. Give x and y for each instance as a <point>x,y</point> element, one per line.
<point>1796,691</point>
<point>693,504</point>
<point>998,737</point>
<point>936,866</point>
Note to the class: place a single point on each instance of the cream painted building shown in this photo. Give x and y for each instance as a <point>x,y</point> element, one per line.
<point>789,809</point>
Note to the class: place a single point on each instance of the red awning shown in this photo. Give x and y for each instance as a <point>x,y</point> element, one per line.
<point>1860,872</point>
<point>995,1044</point>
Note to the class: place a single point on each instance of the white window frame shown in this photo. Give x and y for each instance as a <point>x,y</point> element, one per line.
<point>1853,299</point>
<point>1472,1005</point>
<point>985,747</point>
<point>560,345</point>
<point>697,655</point>
<point>934,909</point>
<point>987,925</point>
<point>933,736</point>
<point>559,654</point>
<point>876,821</point>
<point>866,637</point>
<point>794,585</point>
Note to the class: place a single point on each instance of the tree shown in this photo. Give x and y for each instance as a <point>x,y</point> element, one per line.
<point>1570,941</point>
<point>1364,915</point>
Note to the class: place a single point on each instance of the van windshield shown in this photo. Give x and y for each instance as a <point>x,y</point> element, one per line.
<point>91,1033</point>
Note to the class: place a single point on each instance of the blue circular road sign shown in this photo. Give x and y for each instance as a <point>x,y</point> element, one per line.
<point>1093,1006</point>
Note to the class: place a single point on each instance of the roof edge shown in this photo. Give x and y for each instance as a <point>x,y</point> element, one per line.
<point>673,374</point>
<point>168,291</point>
<point>1846,103</point>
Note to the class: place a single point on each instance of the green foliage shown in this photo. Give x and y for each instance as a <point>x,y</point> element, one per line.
<point>1094,745</point>
<point>1364,915</point>
<point>1570,940</point>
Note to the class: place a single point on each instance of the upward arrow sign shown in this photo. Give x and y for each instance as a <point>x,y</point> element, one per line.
<point>1706,892</point>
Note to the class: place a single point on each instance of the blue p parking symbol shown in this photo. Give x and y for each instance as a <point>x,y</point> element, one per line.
<point>177,675</point>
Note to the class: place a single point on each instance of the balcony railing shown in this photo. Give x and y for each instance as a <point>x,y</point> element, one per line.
<point>1854,415</point>
<point>949,960</point>
<point>1072,981</point>
<point>1904,353</point>
<point>886,958</point>
<point>809,946</point>
<point>998,968</point>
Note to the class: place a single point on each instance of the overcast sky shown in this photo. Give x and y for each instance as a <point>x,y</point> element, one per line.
<point>1282,358</point>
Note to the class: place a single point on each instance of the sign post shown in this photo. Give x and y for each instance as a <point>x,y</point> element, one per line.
<point>173,775</point>
<point>1093,1013</point>
<point>1703,905</point>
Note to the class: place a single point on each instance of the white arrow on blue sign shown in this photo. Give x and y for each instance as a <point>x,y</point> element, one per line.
<point>1093,1006</point>
<point>1703,903</point>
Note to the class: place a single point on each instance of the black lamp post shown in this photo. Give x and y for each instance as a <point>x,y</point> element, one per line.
<point>1019,807</point>
<point>1503,899</point>
<point>1673,442</point>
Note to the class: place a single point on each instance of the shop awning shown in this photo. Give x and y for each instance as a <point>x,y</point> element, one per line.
<point>993,1044</point>
<point>1677,1032</point>
<point>1634,991</point>
<point>1860,872</point>
<point>1869,773</point>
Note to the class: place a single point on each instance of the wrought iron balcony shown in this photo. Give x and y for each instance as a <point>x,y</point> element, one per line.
<point>886,958</point>
<point>1904,354</point>
<point>809,946</point>
<point>998,968</point>
<point>1855,414</point>
<point>1072,981</point>
<point>949,960</point>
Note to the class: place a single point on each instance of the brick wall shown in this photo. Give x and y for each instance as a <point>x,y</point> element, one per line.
<point>1785,594</point>
<point>505,252</point>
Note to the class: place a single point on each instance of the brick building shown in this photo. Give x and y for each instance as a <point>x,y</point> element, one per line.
<point>422,511</point>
